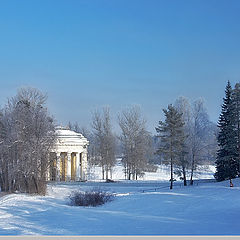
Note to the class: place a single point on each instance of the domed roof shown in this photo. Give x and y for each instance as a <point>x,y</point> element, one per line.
<point>69,137</point>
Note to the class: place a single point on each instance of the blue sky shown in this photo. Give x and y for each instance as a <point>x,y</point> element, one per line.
<point>89,53</point>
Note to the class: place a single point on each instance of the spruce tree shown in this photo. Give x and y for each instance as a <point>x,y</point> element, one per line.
<point>236,115</point>
<point>172,136</point>
<point>226,165</point>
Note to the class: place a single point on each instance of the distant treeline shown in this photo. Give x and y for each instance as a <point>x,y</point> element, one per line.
<point>185,139</point>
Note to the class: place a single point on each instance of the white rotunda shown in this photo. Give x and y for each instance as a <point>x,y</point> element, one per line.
<point>68,160</point>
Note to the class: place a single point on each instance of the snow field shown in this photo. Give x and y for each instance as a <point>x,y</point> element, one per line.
<point>162,173</point>
<point>142,208</point>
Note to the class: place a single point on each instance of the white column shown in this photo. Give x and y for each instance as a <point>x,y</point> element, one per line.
<point>68,166</point>
<point>81,166</point>
<point>84,165</point>
<point>58,166</point>
<point>48,168</point>
<point>77,167</point>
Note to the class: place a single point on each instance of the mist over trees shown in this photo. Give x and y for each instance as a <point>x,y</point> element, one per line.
<point>27,136</point>
<point>186,139</point>
<point>135,146</point>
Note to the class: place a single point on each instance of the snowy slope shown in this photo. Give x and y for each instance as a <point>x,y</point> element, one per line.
<point>138,209</point>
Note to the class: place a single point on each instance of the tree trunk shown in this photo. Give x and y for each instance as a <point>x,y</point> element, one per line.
<point>193,162</point>
<point>106,173</point>
<point>103,172</point>
<point>111,173</point>
<point>26,185</point>
<point>231,184</point>
<point>1,182</point>
<point>35,183</point>
<point>7,179</point>
<point>184,176</point>
<point>171,185</point>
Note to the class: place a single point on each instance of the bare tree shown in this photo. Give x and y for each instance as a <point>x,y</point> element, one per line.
<point>76,128</point>
<point>3,160</point>
<point>29,137</point>
<point>136,142</point>
<point>198,134</point>
<point>93,154</point>
<point>104,141</point>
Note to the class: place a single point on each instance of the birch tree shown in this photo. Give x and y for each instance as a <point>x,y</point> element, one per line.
<point>136,142</point>
<point>198,135</point>
<point>105,141</point>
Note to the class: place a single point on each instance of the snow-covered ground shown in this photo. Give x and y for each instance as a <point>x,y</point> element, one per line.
<point>139,208</point>
<point>162,173</point>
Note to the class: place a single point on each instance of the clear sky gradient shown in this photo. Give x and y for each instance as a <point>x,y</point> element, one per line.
<point>86,54</point>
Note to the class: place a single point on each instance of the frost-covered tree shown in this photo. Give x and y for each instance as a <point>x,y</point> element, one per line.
<point>28,138</point>
<point>136,142</point>
<point>172,136</point>
<point>3,160</point>
<point>226,163</point>
<point>104,140</point>
<point>200,135</point>
<point>198,140</point>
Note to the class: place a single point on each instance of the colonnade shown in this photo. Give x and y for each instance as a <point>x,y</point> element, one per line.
<point>67,166</point>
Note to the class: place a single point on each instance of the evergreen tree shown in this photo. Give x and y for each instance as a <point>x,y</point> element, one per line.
<point>236,112</point>
<point>226,165</point>
<point>172,136</point>
<point>183,106</point>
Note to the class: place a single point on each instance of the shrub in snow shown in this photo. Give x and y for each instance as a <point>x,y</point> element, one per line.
<point>90,198</point>
<point>109,180</point>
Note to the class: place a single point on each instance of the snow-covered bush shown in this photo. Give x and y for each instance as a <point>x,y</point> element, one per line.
<point>93,198</point>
